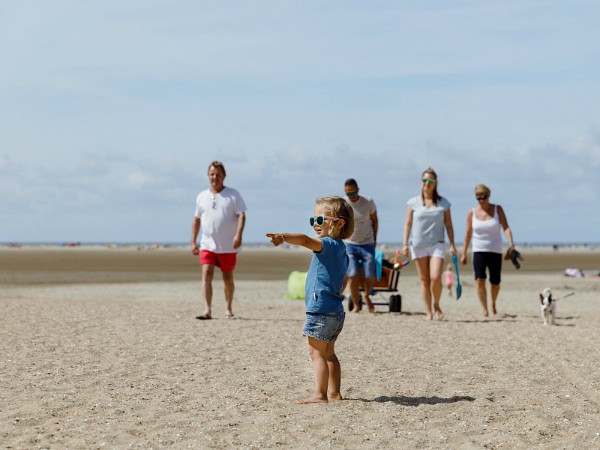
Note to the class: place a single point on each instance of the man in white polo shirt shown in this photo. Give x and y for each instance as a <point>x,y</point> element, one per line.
<point>220,213</point>
<point>361,245</point>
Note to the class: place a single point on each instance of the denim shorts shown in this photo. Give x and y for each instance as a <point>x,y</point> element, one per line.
<point>361,254</point>
<point>324,327</point>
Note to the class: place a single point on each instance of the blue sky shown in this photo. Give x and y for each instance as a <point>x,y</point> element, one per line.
<point>111,112</point>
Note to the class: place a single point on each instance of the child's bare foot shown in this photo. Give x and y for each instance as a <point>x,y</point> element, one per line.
<point>494,312</point>
<point>429,316</point>
<point>306,401</point>
<point>335,397</point>
<point>439,314</point>
<point>486,313</point>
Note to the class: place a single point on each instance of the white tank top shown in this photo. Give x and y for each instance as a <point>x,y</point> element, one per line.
<point>487,235</point>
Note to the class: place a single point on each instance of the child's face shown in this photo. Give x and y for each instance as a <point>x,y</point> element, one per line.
<point>322,230</point>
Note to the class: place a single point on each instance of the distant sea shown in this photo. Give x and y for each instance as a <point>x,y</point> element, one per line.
<point>382,245</point>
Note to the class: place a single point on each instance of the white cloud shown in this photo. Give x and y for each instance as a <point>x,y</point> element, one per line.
<point>137,180</point>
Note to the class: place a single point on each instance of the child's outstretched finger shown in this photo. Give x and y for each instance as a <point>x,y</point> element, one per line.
<point>273,238</point>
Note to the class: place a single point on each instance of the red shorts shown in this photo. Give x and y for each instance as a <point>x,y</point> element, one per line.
<point>225,261</point>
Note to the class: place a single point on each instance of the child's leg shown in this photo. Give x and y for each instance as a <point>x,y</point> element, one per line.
<point>335,373</point>
<point>318,351</point>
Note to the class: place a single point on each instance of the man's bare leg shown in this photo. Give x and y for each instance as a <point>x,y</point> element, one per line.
<point>208,271</point>
<point>369,283</point>
<point>229,290</point>
<point>353,282</point>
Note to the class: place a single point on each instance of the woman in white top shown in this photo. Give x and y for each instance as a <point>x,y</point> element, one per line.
<point>485,223</point>
<point>427,218</point>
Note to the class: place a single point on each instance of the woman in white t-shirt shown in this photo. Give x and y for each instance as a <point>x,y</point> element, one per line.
<point>485,223</point>
<point>427,218</point>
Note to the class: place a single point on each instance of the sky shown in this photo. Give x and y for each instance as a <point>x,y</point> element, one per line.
<point>110,113</point>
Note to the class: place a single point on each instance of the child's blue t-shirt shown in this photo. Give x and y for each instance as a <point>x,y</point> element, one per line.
<point>325,278</point>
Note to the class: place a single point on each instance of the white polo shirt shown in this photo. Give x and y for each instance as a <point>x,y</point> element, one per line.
<point>218,214</point>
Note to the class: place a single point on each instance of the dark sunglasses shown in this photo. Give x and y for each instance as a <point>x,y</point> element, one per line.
<point>481,197</point>
<point>319,220</point>
<point>352,194</point>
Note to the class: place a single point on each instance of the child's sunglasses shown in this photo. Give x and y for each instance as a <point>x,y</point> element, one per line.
<point>319,220</point>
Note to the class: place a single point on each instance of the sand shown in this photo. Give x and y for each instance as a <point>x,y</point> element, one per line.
<point>100,348</point>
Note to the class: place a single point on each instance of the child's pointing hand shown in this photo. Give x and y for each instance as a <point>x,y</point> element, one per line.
<point>276,239</point>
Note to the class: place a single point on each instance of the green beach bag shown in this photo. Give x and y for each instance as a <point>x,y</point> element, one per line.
<point>295,287</point>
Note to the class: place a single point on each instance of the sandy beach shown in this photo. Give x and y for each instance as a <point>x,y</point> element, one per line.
<point>99,348</point>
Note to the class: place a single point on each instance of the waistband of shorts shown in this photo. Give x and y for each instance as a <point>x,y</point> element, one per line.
<point>331,314</point>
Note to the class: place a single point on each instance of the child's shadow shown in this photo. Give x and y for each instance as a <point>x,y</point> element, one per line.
<point>416,401</point>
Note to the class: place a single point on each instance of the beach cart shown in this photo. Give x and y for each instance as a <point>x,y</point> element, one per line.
<point>388,275</point>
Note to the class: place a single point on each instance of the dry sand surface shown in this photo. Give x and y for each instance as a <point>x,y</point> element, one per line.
<point>100,348</point>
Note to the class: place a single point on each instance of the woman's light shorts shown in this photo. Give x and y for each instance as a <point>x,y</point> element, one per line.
<point>324,327</point>
<point>435,251</point>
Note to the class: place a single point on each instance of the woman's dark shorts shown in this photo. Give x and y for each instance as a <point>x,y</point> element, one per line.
<point>490,261</point>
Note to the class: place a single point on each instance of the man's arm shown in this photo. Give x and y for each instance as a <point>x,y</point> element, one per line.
<point>195,231</point>
<point>375,225</point>
<point>241,223</point>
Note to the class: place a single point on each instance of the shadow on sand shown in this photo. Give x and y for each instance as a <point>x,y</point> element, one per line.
<point>415,401</point>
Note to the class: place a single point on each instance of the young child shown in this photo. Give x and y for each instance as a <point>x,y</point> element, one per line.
<point>333,221</point>
<point>449,278</point>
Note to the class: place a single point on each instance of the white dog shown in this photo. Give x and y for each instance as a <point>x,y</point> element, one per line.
<point>548,307</point>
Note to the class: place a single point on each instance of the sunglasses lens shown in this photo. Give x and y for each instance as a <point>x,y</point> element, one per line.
<point>319,220</point>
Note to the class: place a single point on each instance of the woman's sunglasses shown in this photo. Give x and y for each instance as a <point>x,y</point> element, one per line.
<point>430,181</point>
<point>481,197</point>
<point>319,220</point>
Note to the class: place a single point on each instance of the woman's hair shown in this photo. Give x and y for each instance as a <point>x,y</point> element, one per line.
<point>217,165</point>
<point>482,189</point>
<point>338,208</point>
<point>436,197</point>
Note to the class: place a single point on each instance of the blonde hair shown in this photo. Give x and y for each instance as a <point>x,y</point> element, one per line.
<point>482,189</point>
<point>340,209</point>
<point>217,165</point>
